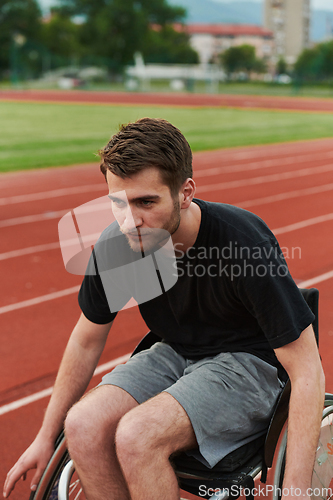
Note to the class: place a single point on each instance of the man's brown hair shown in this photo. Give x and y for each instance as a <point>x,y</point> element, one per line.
<point>149,142</point>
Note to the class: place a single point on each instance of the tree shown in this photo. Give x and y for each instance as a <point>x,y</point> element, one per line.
<point>61,36</point>
<point>167,45</point>
<point>116,29</point>
<point>281,66</point>
<point>20,20</point>
<point>242,58</point>
<point>316,63</point>
<point>110,33</point>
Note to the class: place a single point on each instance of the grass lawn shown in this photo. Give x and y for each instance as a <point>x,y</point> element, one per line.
<point>41,135</point>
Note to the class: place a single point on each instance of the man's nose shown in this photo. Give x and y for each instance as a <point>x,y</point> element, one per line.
<point>131,220</point>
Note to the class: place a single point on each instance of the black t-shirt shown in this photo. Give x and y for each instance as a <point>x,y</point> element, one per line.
<point>233,293</point>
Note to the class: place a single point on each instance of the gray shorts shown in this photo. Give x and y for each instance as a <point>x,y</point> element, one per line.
<point>228,398</point>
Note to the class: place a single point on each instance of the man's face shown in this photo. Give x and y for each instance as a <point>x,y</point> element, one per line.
<point>142,204</point>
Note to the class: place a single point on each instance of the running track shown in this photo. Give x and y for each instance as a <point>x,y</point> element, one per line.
<point>289,185</point>
<point>174,99</point>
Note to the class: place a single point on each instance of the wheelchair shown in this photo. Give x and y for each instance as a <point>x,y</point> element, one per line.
<point>236,474</point>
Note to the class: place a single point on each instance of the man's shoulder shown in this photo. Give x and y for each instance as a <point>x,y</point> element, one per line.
<point>232,221</point>
<point>224,209</point>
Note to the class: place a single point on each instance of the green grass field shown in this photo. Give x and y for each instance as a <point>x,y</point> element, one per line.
<point>42,135</point>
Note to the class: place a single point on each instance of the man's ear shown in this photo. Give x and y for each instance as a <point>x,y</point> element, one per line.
<point>187,192</point>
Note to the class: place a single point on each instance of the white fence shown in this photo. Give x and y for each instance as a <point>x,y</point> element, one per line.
<point>179,75</point>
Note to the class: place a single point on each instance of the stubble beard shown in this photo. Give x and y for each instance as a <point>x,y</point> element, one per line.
<point>159,235</point>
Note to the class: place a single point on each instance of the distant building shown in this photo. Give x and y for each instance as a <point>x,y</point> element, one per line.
<point>290,22</point>
<point>210,40</point>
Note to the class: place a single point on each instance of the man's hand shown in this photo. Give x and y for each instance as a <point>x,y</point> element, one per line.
<point>80,359</point>
<point>302,363</point>
<point>37,457</point>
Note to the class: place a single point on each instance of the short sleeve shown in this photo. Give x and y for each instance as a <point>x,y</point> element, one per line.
<point>93,301</point>
<point>269,293</point>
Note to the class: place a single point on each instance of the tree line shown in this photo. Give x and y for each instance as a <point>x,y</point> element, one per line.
<point>242,58</point>
<point>95,32</point>
<point>108,33</point>
<point>313,64</point>
<point>316,63</point>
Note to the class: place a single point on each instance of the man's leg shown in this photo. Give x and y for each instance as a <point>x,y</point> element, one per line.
<point>90,432</point>
<point>145,438</point>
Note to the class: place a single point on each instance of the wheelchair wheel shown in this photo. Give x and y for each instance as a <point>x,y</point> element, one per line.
<point>48,486</point>
<point>60,482</point>
<point>322,478</point>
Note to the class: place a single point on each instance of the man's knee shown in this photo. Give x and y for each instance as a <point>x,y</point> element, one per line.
<point>128,435</point>
<point>137,437</point>
<point>79,422</point>
<point>91,423</point>
<point>82,430</point>
<point>153,431</point>
<point>131,442</point>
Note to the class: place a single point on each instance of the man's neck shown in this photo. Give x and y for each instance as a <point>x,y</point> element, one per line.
<point>187,232</point>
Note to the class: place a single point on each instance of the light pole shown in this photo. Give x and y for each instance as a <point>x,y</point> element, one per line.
<point>17,41</point>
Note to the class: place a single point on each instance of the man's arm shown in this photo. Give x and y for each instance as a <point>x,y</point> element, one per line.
<point>302,362</point>
<point>80,359</point>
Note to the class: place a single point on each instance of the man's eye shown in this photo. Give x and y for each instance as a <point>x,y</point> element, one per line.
<point>146,203</point>
<point>118,203</point>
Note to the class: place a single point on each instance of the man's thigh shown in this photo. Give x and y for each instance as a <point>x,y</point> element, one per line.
<point>159,424</point>
<point>148,373</point>
<point>229,400</point>
<point>159,418</point>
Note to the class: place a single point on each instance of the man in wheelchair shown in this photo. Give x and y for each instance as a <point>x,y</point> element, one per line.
<point>233,326</point>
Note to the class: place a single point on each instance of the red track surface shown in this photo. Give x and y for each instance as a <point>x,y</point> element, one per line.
<point>284,184</point>
<point>224,100</point>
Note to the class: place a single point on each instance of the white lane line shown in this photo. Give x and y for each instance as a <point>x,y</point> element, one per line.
<point>47,392</point>
<point>257,165</point>
<point>111,364</point>
<point>28,250</point>
<point>262,179</point>
<point>276,162</point>
<point>53,215</point>
<point>282,196</point>
<point>39,300</point>
<point>54,193</point>
<point>200,189</point>
<point>25,401</point>
<point>243,204</point>
<point>89,238</point>
<point>27,219</point>
<point>317,279</point>
<point>302,224</point>
<point>257,152</point>
<point>68,291</point>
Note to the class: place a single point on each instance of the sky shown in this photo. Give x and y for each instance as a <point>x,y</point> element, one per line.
<point>316,4</point>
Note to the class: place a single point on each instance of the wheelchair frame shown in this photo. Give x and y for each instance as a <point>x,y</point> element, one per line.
<point>59,483</point>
